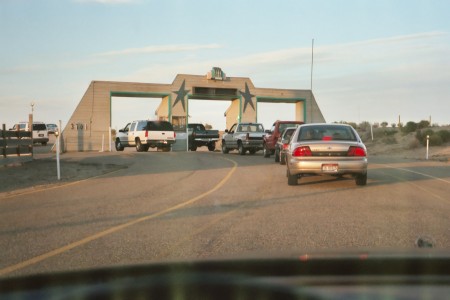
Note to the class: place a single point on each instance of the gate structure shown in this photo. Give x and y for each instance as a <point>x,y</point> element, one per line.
<point>90,122</point>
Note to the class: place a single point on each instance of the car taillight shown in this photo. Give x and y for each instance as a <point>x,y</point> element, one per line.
<point>174,134</point>
<point>302,151</point>
<point>146,133</point>
<point>356,151</point>
<point>285,146</point>
<point>194,134</point>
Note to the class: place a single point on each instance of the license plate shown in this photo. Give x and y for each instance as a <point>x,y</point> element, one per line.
<point>41,135</point>
<point>330,168</point>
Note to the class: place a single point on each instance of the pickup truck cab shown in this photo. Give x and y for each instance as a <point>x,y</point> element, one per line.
<point>272,135</point>
<point>144,134</point>
<point>199,136</point>
<point>243,137</point>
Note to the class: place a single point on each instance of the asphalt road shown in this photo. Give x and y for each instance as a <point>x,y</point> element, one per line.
<point>196,205</point>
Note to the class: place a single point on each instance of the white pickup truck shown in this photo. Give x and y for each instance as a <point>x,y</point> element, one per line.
<point>144,134</point>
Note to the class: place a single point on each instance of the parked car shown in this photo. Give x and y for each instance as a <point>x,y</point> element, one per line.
<point>52,128</point>
<point>199,136</point>
<point>40,132</point>
<point>144,134</point>
<point>282,145</point>
<point>326,149</point>
<point>243,137</point>
<point>272,136</point>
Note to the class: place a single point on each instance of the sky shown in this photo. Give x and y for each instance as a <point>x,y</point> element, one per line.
<point>373,60</point>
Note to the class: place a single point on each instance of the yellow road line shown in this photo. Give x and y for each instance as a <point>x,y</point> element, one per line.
<point>111,230</point>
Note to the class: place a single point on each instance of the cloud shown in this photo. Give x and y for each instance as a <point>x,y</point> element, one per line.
<point>159,49</point>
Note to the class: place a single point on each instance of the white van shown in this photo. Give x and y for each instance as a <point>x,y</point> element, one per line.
<point>40,132</point>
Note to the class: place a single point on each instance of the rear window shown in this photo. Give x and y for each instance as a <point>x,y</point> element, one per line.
<point>39,127</point>
<point>159,126</point>
<point>326,132</point>
<point>283,126</point>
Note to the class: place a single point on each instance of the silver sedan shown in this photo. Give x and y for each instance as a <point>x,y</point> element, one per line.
<point>326,149</point>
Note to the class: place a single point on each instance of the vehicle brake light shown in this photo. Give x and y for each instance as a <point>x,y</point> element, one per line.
<point>146,133</point>
<point>302,151</point>
<point>174,134</point>
<point>356,151</point>
<point>285,146</point>
<point>327,138</point>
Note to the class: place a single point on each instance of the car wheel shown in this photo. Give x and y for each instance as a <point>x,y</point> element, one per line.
<point>282,159</point>
<point>119,146</point>
<point>292,179</point>
<point>194,148</point>
<point>252,151</point>
<point>277,155</point>
<point>224,148</point>
<point>361,179</point>
<point>166,149</point>
<point>266,151</point>
<point>241,149</point>
<point>139,146</point>
<point>212,146</point>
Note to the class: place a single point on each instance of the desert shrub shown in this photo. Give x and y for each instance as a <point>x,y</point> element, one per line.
<point>384,124</point>
<point>389,140</point>
<point>409,127</point>
<point>364,126</point>
<point>413,144</point>
<point>423,124</point>
<point>435,140</point>
<point>445,135</point>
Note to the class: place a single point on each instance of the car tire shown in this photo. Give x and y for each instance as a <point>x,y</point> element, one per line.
<point>139,146</point>
<point>282,159</point>
<point>241,148</point>
<point>252,151</point>
<point>212,146</point>
<point>194,148</point>
<point>266,151</point>
<point>277,155</point>
<point>361,179</point>
<point>292,179</point>
<point>119,146</point>
<point>224,148</point>
<point>166,149</point>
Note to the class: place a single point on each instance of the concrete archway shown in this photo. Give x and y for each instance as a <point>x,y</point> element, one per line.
<point>90,122</point>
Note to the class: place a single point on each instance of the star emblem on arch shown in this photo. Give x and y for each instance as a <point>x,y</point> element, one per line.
<point>247,97</point>
<point>181,94</point>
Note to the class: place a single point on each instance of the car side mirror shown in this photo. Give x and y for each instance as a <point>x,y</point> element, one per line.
<point>226,130</point>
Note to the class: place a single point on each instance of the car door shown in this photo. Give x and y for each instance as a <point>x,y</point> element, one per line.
<point>131,134</point>
<point>229,138</point>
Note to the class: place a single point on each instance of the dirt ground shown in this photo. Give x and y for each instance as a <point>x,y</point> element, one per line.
<point>42,172</point>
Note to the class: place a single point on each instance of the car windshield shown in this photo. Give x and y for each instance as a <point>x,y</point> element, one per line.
<point>365,84</point>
